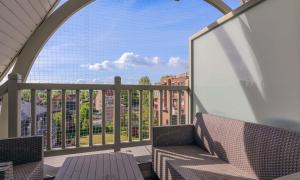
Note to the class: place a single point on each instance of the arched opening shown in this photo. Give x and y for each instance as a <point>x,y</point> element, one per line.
<point>128,38</point>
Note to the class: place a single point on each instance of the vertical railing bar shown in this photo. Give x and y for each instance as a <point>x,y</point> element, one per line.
<point>141,115</point>
<point>189,100</point>
<point>179,108</point>
<point>33,112</point>
<point>49,119</point>
<point>14,105</point>
<point>187,107</point>
<point>117,141</point>
<point>160,107</point>
<point>170,107</point>
<point>63,118</point>
<point>129,115</point>
<point>91,118</point>
<point>103,117</point>
<point>150,113</point>
<point>77,124</point>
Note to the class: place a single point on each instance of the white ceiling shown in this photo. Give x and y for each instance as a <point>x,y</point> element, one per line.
<point>18,20</point>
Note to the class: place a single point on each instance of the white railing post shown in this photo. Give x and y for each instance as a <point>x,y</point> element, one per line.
<point>49,119</point>
<point>170,107</point>
<point>160,107</point>
<point>117,141</point>
<point>150,113</point>
<point>179,108</point>
<point>91,118</point>
<point>63,118</point>
<point>141,116</point>
<point>103,131</point>
<point>188,104</point>
<point>33,112</point>
<point>77,124</point>
<point>14,106</point>
<point>130,115</point>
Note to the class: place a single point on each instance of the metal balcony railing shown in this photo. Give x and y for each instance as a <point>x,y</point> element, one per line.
<point>123,118</point>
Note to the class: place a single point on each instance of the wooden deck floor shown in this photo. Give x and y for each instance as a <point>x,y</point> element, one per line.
<point>52,164</point>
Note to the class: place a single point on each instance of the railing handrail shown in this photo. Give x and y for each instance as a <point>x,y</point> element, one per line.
<point>3,88</point>
<point>15,85</point>
<point>58,86</point>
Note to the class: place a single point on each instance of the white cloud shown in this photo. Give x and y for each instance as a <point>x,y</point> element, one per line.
<point>127,60</point>
<point>80,81</point>
<point>103,80</point>
<point>175,61</point>
<point>130,59</point>
<point>99,66</point>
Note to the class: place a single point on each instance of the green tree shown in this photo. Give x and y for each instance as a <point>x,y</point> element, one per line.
<point>145,80</point>
<point>84,116</point>
<point>57,118</point>
<point>124,97</point>
<point>26,94</point>
<point>84,96</point>
<point>55,93</point>
<point>42,95</point>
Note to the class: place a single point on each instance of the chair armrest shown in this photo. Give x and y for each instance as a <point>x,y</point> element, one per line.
<point>6,171</point>
<point>294,176</point>
<point>22,149</point>
<point>172,135</point>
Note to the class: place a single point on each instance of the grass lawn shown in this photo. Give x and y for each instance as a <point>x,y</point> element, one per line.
<point>97,139</point>
<point>109,138</point>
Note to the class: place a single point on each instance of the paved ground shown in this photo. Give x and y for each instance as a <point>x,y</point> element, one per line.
<point>52,164</point>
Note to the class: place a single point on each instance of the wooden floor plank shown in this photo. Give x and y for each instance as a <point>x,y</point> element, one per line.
<point>106,165</point>
<point>85,167</point>
<point>114,172</point>
<point>63,169</point>
<point>135,167</point>
<point>78,167</point>
<point>93,168</point>
<point>126,162</point>
<point>121,167</point>
<point>100,167</point>
<point>70,169</point>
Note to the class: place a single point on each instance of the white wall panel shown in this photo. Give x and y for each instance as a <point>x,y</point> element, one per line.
<point>249,67</point>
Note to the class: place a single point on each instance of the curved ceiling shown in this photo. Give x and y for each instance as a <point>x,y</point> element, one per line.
<point>18,20</point>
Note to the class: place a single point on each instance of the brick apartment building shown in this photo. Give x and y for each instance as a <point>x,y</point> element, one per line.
<point>97,107</point>
<point>109,106</point>
<point>176,80</point>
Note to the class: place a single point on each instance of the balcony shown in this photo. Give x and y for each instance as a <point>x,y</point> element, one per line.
<point>125,122</point>
<point>126,111</point>
<point>233,115</point>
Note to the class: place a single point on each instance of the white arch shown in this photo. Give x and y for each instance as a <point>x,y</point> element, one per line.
<point>41,35</point>
<point>220,5</point>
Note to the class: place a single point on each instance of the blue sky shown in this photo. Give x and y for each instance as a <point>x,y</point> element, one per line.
<point>128,38</point>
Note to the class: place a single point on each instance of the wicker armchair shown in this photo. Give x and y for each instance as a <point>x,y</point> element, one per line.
<point>25,155</point>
